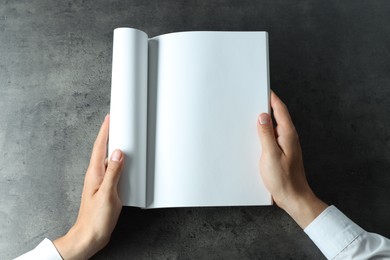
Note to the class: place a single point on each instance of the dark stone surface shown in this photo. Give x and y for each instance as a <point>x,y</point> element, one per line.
<point>330,63</point>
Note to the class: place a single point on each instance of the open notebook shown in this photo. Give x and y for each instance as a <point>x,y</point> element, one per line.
<point>183,109</point>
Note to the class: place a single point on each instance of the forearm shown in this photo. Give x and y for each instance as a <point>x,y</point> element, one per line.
<point>338,237</point>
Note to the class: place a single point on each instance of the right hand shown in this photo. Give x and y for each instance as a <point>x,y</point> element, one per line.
<point>281,166</point>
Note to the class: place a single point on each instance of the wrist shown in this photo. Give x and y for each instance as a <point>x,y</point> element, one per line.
<point>304,208</point>
<point>74,245</point>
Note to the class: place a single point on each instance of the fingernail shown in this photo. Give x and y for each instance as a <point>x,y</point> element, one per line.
<point>116,156</point>
<point>264,119</point>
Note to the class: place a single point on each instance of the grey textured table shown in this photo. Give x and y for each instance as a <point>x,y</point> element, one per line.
<point>330,63</point>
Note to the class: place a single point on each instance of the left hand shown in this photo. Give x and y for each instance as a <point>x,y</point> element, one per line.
<point>100,204</point>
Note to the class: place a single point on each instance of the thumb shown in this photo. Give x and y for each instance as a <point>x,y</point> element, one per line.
<point>113,171</point>
<point>266,132</point>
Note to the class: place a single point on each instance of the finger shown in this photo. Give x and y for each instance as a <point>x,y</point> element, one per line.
<point>286,134</point>
<point>113,172</point>
<point>100,146</point>
<point>266,133</point>
<point>96,169</point>
<point>281,114</point>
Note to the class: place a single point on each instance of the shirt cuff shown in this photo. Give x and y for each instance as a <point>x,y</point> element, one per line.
<point>45,250</point>
<point>332,231</point>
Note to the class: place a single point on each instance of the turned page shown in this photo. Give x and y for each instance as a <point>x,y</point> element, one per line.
<point>128,111</point>
<point>210,87</point>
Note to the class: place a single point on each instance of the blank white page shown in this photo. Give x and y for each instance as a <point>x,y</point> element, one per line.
<point>128,111</point>
<point>210,88</point>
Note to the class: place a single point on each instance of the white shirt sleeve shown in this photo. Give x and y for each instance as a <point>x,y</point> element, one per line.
<point>45,251</point>
<point>338,237</point>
